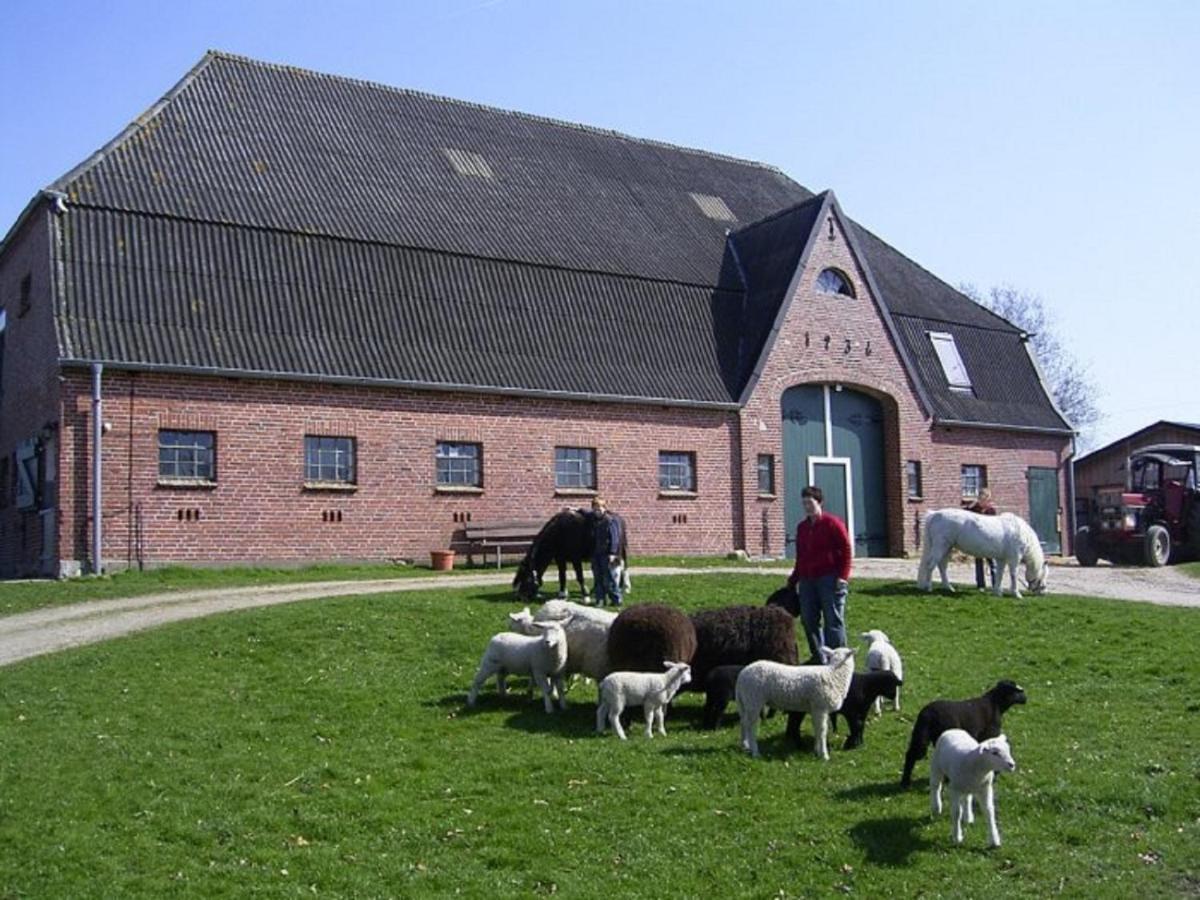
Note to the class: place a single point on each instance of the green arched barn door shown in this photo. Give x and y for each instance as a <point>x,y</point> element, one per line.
<point>835,439</point>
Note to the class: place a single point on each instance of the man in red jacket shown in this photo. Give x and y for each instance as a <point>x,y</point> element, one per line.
<point>821,576</point>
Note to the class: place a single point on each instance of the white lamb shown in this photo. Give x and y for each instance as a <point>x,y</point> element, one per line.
<point>882,656</point>
<point>970,767</point>
<point>816,690</point>
<point>543,657</point>
<point>649,690</point>
<point>586,628</point>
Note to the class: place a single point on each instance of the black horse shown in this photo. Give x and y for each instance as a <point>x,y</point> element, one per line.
<point>567,537</point>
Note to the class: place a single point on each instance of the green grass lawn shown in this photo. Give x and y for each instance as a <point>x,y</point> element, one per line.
<point>323,748</point>
<point>1191,568</point>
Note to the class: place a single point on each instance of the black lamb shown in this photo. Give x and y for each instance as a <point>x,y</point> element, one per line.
<point>719,689</point>
<point>864,688</point>
<point>979,717</point>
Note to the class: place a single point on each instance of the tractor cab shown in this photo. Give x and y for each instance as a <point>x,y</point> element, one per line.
<point>1155,518</point>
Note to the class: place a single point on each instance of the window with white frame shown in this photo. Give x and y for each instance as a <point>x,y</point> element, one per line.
<point>575,467</point>
<point>329,460</point>
<point>459,464</point>
<point>974,479</point>
<point>913,472</point>
<point>676,471</point>
<point>952,364</point>
<point>189,455</point>
<point>766,473</point>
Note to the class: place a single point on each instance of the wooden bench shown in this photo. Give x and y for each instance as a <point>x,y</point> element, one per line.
<point>513,535</point>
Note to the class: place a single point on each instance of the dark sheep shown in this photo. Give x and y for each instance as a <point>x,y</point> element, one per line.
<point>739,635</point>
<point>641,638</point>
<point>979,717</point>
<point>864,688</point>
<point>718,691</point>
<point>787,600</point>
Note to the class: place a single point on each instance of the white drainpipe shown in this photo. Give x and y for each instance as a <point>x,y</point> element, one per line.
<point>97,472</point>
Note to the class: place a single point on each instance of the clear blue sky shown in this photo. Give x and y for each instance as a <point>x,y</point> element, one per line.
<point>1053,146</point>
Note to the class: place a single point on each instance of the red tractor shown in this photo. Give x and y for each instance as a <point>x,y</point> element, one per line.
<point>1154,519</point>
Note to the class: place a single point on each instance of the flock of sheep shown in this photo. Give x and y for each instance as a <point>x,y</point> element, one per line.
<point>646,654</point>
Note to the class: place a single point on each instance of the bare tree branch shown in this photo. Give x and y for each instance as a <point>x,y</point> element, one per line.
<point>1071,384</point>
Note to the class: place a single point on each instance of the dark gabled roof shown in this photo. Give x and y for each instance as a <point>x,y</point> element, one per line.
<point>1006,388</point>
<point>248,143</point>
<point>262,219</point>
<point>191,295</point>
<point>912,291</point>
<point>767,254</point>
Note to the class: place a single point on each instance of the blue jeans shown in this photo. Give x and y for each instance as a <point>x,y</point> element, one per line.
<point>820,597</point>
<point>991,564</point>
<point>604,586</point>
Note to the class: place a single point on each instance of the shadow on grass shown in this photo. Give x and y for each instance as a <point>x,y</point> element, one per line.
<point>576,721</point>
<point>874,791</point>
<point>891,842</point>
<point>888,588</point>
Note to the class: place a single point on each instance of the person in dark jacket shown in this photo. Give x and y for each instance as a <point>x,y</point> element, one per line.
<point>606,545</point>
<point>984,506</point>
<point>821,576</point>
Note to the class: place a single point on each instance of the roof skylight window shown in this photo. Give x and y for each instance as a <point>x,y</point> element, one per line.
<point>713,207</point>
<point>467,163</point>
<point>952,363</point>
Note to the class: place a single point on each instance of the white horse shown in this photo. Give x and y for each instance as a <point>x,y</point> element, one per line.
<point>1006,538</point>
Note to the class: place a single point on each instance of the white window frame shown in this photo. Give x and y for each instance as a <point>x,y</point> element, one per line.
<point>845,463</point>
<point>674,466</point>
<point>953,366</point>
<point>572,463</point>
<point>981,471</point>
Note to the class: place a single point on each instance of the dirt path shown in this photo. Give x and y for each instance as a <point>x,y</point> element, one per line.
<point>57,628</point>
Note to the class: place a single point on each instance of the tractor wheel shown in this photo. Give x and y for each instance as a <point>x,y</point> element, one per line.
<point>1156,546</point>
<point>1085,549</point>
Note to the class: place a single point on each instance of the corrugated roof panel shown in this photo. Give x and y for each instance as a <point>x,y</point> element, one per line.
<point>376,312</point>
<point>262,145</point>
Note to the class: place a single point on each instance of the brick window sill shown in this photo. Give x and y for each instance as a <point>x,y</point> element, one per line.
<point>767,497</point>
<point>575,492</point>
<point>191,484</point>
<point>337,487</point>
<point>457,489</point>
<point>916,499</point>
<point>677,495</point>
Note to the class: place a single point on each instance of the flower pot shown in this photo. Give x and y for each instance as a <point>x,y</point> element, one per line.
<point>442,560</point>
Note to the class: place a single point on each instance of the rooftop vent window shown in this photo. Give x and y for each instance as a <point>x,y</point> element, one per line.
<point>952,364</point>
<point>713,207</point>
<point>467,163</point>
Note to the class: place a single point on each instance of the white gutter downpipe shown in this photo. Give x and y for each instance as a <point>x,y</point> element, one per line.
<point>97,472</point>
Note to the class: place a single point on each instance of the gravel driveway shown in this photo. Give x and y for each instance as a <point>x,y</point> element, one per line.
<point>57,628</point>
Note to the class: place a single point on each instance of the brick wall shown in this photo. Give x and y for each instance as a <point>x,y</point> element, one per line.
<point>28,395</point>
<point>259,509</point>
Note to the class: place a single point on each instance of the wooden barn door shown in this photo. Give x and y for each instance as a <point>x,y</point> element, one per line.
<point>803,436</point>
<point>1043,507</point>
<point>834,439</point>
<point>857,432</point>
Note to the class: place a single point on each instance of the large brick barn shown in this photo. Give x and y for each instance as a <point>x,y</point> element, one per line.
<point>303,317</point>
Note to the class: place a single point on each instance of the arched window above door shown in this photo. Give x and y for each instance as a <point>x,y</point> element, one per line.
<point>831,281</point>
